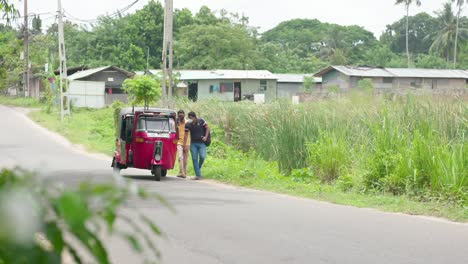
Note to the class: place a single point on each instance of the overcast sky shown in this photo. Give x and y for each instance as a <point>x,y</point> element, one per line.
<point>373,15</point>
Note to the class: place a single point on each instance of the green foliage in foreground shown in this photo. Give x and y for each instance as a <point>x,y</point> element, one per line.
<point>43,222</point>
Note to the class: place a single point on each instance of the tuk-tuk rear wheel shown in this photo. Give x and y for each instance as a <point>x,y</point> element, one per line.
<point>115,166</point>
<point>163,173</point>
<point>157,172</point>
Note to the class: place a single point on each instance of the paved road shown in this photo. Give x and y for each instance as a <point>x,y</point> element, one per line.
<point>219,224</point>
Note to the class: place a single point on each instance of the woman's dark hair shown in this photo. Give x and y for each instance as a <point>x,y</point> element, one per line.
<point>181,111</point>
<point>191,113</point>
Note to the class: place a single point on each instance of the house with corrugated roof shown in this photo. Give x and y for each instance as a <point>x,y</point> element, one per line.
<point>98,87</point>
<point>292,84</point>
<point>226,85</point>
<point>345,78</point>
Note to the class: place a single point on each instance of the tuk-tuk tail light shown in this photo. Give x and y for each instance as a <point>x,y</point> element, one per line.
<point>139,140</point>
<point>157,150</point>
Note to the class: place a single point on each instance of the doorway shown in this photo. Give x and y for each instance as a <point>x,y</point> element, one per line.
<point>237,91</point>
<point>193,91</point>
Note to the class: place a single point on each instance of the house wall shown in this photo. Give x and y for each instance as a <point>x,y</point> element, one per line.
<point>35,87</point>
<point>112,79</point>
<point>247,87</point>
<point>440,84</point>
<point>286,90</point>
<point>377,82</point>
<point>336,78</point>
<point>87,94</point>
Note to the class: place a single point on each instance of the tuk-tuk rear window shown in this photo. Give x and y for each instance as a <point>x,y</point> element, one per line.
<point>148,123</point>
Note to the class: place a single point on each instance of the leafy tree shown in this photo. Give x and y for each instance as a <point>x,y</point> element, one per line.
<point>422,27</point>
<point>145,30</point>
<point>142,89</point>
<point>407,4</point>
<point>337,57</point>
<point>10,65</point>
<point>182,17</point>
<point>7,9</point>
<point>379,56</point>
<point>215,46</point>
<point>430,61</point>
<point>305,37</point>
<point>206,17</point>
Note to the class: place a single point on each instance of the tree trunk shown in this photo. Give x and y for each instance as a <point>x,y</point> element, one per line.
<point>407,34</point>
<point>456,37</point>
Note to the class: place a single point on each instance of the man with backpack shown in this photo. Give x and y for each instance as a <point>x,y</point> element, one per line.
<point>199,138</point>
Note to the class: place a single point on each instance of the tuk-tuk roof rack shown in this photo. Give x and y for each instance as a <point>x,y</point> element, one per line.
<point>132,110</point>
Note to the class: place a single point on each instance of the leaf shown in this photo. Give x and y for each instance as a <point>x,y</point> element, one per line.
<point>134,242</point>
<point>74,254</point>
<point>73,209</point>
<point>110,216</point>
<point>93,244</point>
<point>54,235</point>
<point>150,223</point>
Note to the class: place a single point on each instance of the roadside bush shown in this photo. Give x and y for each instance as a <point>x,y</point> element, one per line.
<point>329,157</point>
<point>407,145</point>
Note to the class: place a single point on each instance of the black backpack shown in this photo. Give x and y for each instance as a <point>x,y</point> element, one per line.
<point>208,139</point>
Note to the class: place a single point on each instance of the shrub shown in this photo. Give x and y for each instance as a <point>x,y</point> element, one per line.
<point>42,221</point>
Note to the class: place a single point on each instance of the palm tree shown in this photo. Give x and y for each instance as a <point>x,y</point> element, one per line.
<point>446,36</point>
<point>459,4</point>
<point>407,4</point>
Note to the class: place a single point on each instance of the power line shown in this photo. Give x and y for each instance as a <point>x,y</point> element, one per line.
<point>115,14</point>
<point>29,15</point>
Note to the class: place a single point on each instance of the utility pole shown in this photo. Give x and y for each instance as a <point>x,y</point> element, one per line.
<point>167,52</point>
<point>64,100</point>
<point>26,50</point>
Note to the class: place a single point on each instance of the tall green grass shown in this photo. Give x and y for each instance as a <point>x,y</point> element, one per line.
<point>406,145</point>
<point>19,101</point>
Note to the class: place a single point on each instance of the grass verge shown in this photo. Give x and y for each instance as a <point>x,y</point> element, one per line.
<point>94,130</point>
<point>20,101</point>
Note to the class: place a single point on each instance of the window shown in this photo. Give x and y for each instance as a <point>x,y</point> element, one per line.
<point>227,87</point>
<point>214,88</point>
<point>147,123</point>
<point>387,80</point>
<point>126,129</point>
<point>416,83</point>
<point>263,85</point>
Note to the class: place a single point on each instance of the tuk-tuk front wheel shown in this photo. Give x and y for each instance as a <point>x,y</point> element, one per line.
<point>157,172</point>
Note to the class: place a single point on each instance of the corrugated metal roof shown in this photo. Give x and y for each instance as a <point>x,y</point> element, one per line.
<point>363,71</point>
<point>222,74</point>
<point>294,78</point>
<point>397,72</point>
<point>86,73</point>
<point>428,73</point>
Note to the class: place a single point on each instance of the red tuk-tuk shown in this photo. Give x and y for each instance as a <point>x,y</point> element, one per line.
<point>146,139</point>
